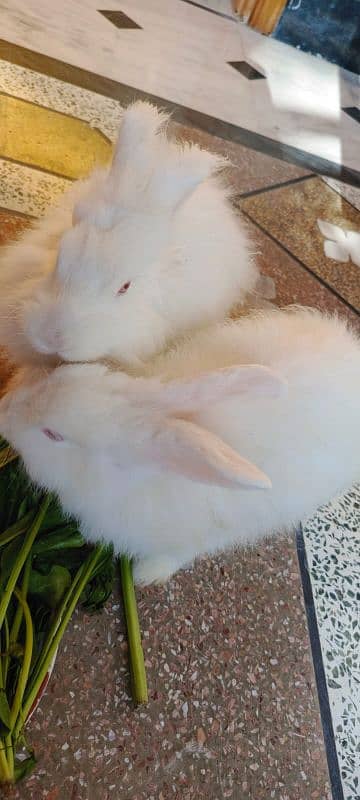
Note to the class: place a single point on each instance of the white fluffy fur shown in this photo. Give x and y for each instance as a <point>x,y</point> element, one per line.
<point>158,217</point>
<point>162,465</point>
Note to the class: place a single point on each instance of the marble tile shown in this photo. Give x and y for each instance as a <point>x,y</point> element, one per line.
<point>50,140</point>
<point>331,539</point>
<point>182,55</point>
<point>251,170</point>
<point>100,112</point>
<point>222,7</point>
<point>349,193</point>
<point>294,225</point>
<point>28,190</point>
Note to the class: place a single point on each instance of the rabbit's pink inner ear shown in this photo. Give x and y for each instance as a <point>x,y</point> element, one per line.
<point>200,455</point>
<point>53,435</point>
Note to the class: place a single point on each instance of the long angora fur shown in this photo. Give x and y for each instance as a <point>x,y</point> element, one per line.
<point>133,257</point>
<point>173,465</point>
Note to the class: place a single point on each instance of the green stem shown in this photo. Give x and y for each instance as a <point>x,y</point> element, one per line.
<point>16,529</point>
<point>83,576</point>
<point>6,756</point>
<point>140,691</point>
<point>5,774</point>
<point>19,611</point>
<point>25,667</point>
<point>23,554</point>
<point>6,652</point>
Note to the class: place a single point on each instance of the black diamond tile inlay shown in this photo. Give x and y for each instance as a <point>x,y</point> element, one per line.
<point>353,112</point>
<point>120,20</point>
<point>246,70</point>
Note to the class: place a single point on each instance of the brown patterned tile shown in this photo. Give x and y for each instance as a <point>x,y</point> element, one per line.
<point>250,170</point>
<point>233,707</point>
<point>290,215</point>
<point>294,284</point>
<point>11,225</point>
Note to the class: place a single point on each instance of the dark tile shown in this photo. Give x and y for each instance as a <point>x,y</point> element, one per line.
<point>353,112</point>
<point>120,20</point>
<point>246,70</point>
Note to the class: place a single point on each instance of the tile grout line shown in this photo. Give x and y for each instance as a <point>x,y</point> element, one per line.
<point>212,11</point>
<point>301,263</point>
<point>36,167</point>
<point>318,665</point>
<point>14,213</point>
<point>281,185</point>
<point>108,87</point>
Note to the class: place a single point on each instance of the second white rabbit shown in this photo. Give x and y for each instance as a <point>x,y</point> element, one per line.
<point>207,450</point>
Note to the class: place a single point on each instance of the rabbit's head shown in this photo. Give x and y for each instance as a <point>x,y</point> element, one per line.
<point>137,423</point>
<point>106,296</point>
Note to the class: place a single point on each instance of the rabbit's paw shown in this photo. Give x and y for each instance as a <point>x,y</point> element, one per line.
<point>154,570</point>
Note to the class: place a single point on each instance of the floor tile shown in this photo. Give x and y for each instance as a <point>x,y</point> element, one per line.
<point>290,215</point>
<point>249,169</point>
<point>181,55</point>
<point>28,190</point>
<point>232,712</point>
<point>47,139</point>
<point>294,284</point>
<point>350,193</point>
<point>11,225</point>
<point>247,70</point>
<point>332,546</point>
<point>120,20</point>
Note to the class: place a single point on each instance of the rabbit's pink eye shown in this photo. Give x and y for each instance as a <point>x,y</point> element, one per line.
<point>124,287</point>
<point>53,435</point>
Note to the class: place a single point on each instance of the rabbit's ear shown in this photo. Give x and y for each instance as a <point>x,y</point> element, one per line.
<point>212,387</point>
<point>178,174</point>
<point>199,455</point>
<point>148,171</point>
<point>140,125</point>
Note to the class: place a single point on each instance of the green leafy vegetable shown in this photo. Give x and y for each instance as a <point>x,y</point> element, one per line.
<point>46,569</point>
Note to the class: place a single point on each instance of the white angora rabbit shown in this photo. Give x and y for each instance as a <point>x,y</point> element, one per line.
<point>164,466</point>
<point>133,257</point>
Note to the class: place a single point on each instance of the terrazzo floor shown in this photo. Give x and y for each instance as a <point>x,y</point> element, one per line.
<point>234,709</point>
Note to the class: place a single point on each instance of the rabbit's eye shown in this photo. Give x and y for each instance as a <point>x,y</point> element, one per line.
<point>53,435</point>
<point>124,287</point>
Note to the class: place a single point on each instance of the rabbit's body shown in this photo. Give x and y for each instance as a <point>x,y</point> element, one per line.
<point>157,226</point>
<point>144,462</point>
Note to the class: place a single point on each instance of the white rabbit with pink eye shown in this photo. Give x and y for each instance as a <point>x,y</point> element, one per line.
<point>180,462</point>
<point>137,255</point>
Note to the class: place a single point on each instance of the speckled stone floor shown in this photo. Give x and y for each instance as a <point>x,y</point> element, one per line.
<point>233,709</point>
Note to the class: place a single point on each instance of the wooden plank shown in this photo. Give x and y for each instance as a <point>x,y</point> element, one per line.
<point>266,15</point>
<point>244,8</point>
